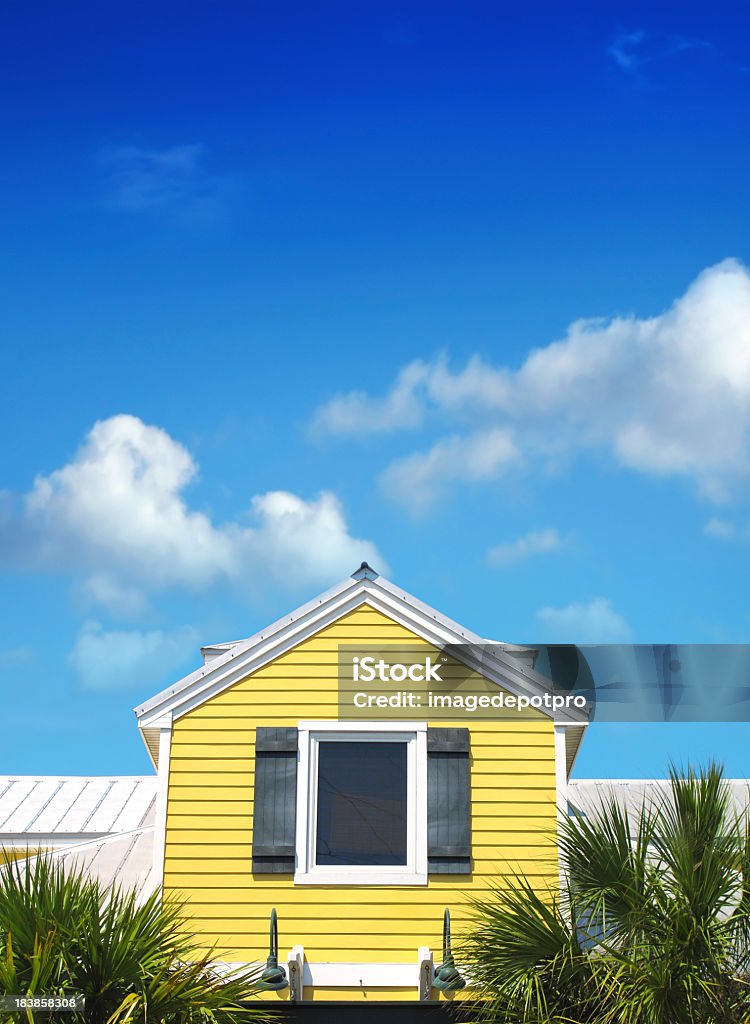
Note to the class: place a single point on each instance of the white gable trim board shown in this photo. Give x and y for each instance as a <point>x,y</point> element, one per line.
<point>162,790</point>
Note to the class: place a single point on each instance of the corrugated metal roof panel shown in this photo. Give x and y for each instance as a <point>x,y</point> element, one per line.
<point>14,796</point>
<point>47,805</point>
<point>68,792</point>
<point>32,806</point>
<point>138,809</point>
<point>84,806</point>
<point>108,811</point>
<point>123,859</point>
<point>585,796</point>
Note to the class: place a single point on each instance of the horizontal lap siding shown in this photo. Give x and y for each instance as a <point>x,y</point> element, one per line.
<point>210,813</point>
<point>358,994</point>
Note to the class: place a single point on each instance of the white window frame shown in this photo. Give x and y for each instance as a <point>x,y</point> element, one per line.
<point>310,734</point>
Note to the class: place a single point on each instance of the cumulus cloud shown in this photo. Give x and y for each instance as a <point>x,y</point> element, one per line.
<point>358,413</point>
<point>416,481</point>
<point>119,658</point>
<point>117,513</point>
<point>109,592</point>
<point>667,395</point>
<point>171,180</point>
<point>594,623</point>
<point>536,542</point>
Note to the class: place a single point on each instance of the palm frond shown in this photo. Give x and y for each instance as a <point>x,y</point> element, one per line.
<point>131,956</point>
<point>652,925</point>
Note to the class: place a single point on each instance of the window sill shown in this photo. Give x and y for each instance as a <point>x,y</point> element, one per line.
<point>359,876</point>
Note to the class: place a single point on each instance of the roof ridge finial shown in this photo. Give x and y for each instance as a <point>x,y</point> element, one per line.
<point>365,572</point>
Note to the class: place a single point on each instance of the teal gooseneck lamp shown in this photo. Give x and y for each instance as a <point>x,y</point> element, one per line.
<point>273,976</point>
<point>447,977</point>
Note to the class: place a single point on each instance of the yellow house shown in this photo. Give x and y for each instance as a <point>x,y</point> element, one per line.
<point>292,776</point>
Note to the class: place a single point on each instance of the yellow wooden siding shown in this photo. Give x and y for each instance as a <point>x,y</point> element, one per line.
<point>351,994</point>
<point>210,808</point>
<point>8,853</point>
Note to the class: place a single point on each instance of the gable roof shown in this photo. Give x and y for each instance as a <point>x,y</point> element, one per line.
<point>507,665</point>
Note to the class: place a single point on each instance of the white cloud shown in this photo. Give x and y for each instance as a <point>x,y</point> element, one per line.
<point>116,659</point>
<point>358,413</point>
<point>594,623</point>
<point>109,592</point>
<point>172,180</point>
<point>667,395</point>
<point>418,480</point>
<point>536,542</point>
<point>624,49</point>
<point>633,51</point>
<point>720,528</point>
<point>117,513</point>
<point>304,541</point>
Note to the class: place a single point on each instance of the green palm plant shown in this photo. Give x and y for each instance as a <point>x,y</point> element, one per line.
<point>132,957</point>
<point>650,924</point>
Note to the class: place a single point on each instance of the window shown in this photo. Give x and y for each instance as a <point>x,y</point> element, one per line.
<point>362,804</point>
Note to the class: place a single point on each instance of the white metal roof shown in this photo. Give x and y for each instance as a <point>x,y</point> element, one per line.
<point>585,796</point>
<point>124,859</point>
<point>70,808</point>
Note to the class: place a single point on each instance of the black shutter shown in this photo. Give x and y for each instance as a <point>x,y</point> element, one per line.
<point>448,802</point>
<point>275,801</point>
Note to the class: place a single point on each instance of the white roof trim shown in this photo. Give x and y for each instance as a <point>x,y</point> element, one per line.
<point>249,655</point>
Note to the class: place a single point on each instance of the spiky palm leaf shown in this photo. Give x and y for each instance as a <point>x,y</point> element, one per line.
<point>651,926</point>
<point>525,960</point>
<point>132,957</point>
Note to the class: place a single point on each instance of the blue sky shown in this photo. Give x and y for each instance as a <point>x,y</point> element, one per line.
<point>458,288</point>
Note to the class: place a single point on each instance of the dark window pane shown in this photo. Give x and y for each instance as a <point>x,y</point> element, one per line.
<point>361,803</point>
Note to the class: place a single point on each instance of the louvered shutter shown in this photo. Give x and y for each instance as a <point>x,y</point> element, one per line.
<point>275,800</point>
<point>448,802</point>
